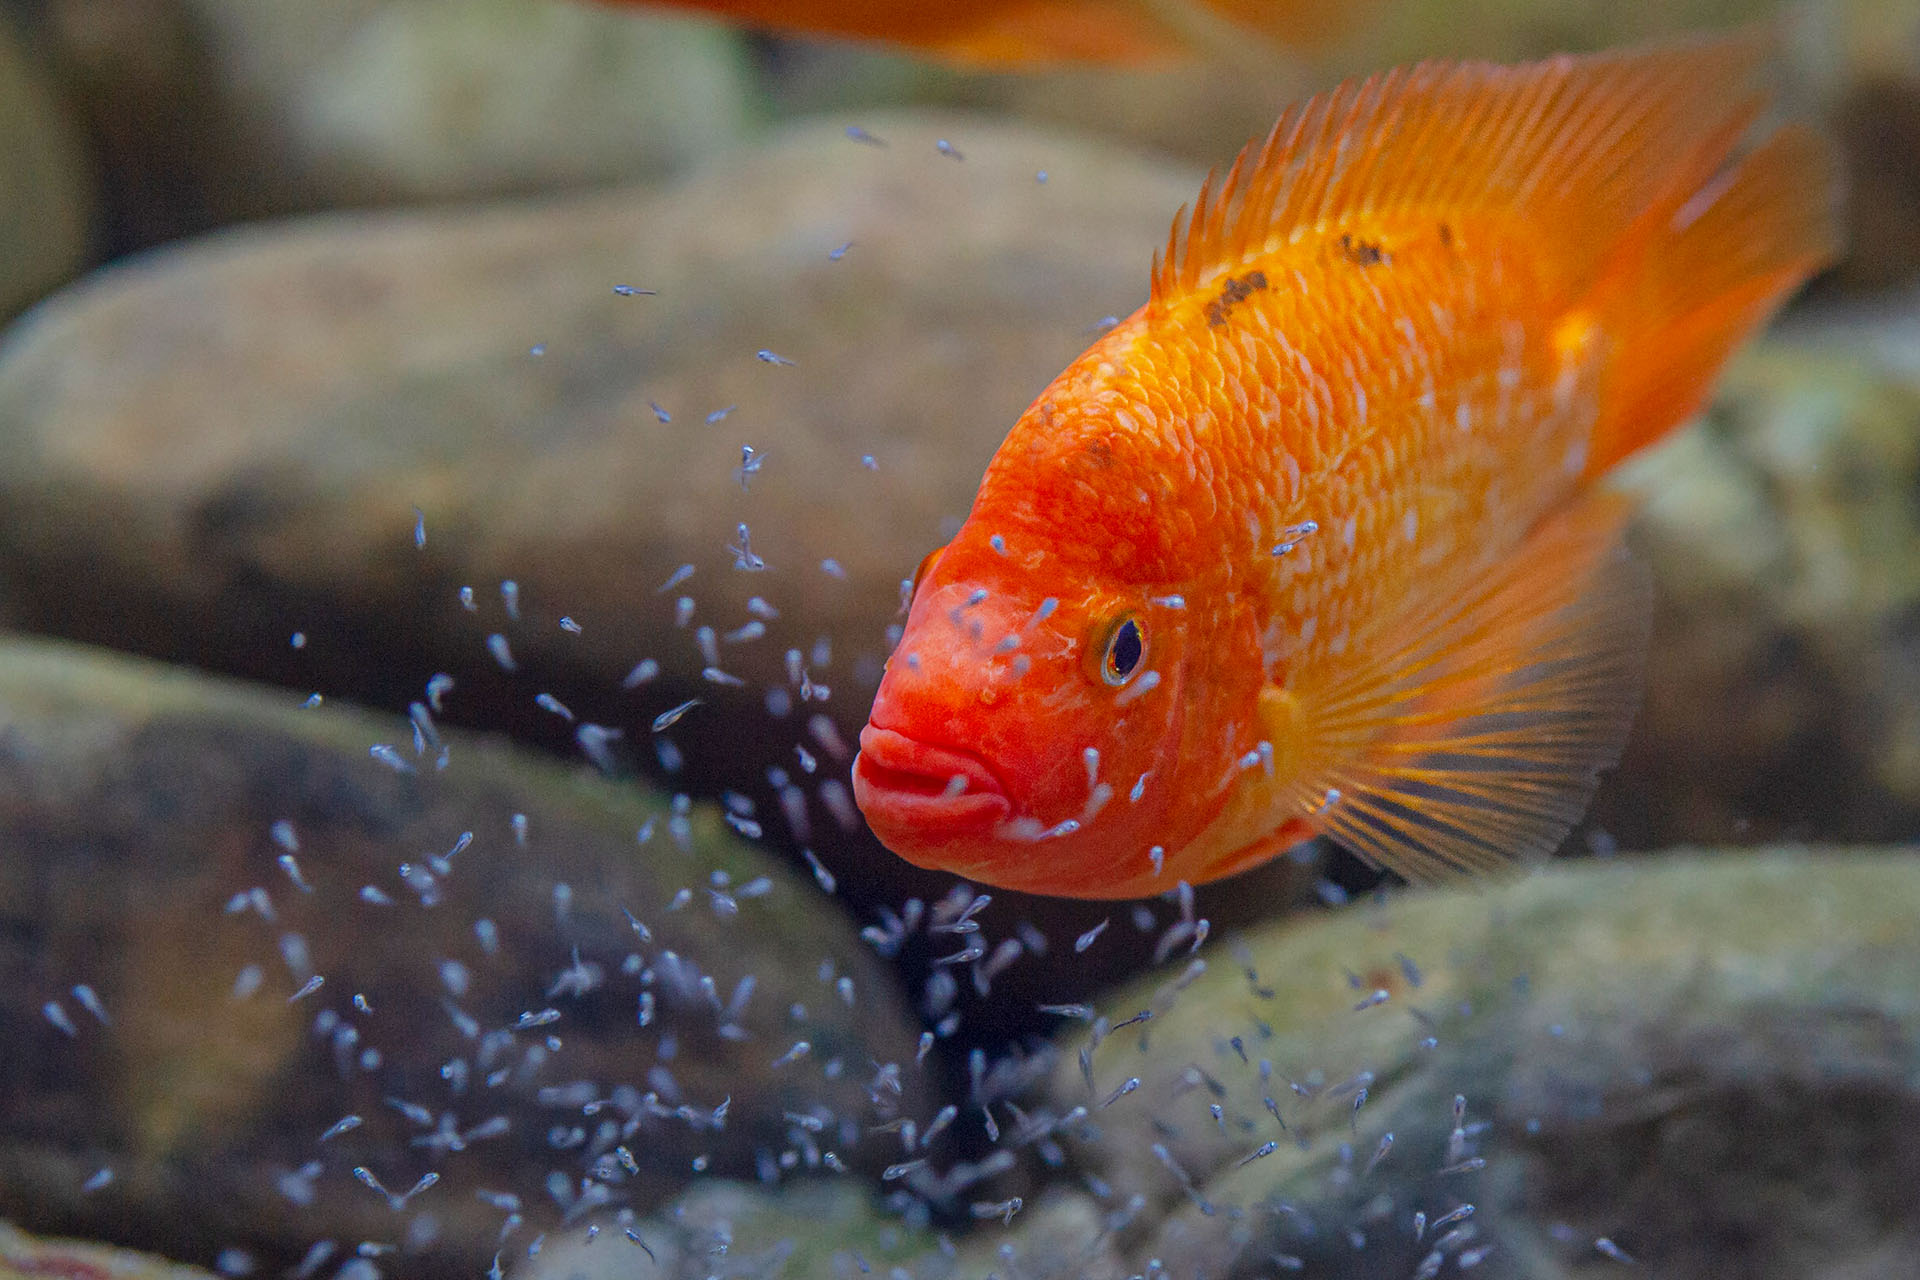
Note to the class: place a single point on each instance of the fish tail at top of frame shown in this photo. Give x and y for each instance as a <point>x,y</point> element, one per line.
<point>1021,34</point>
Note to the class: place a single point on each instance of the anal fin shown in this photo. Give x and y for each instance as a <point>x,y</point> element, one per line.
<point>1472,730</point>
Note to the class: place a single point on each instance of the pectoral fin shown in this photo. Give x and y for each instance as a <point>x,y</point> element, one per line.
<point>1473,729</point>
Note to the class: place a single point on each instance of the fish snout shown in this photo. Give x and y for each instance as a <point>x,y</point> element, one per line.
<point>915,793</point>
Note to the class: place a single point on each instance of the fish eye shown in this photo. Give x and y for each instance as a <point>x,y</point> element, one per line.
<point>1125,648</point>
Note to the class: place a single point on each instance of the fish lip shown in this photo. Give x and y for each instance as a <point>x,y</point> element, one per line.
<point>898,775</point>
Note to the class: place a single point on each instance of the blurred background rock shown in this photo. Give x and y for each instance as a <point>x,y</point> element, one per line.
<point>193,853</point>
<point>205,112</point>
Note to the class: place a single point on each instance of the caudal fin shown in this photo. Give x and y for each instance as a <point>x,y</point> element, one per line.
<point>1711,265</point>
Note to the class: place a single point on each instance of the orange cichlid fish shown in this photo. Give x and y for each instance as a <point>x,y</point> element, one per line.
<point>1314,542</point>
<point>1016,33</point>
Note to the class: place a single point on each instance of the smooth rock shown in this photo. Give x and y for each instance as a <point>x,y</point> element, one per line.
<point>263,448</point>
<point>45,202</point>
<point>1706,1062</point>
<point>1877,121</point>
<point>212,110</point>
<point>227,925</point>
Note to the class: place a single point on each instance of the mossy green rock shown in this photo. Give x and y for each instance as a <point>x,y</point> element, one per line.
<point>833,1231</point>
<point>1705,1062</point>
<point>281,929</point>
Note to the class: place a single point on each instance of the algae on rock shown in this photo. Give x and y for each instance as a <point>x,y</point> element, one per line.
<point>1705,1061</point>
<point>281,930</point>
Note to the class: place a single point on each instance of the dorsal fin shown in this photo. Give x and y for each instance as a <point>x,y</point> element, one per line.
<point>1577,147</point>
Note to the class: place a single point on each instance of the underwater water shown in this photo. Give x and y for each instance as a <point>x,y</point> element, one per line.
<point>455,507</point>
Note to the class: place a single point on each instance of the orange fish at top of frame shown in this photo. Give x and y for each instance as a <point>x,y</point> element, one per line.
<point>1020,33</point>
<point>1314,542</point>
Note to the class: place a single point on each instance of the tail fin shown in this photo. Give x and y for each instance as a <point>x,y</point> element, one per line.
<point>1708,267</point>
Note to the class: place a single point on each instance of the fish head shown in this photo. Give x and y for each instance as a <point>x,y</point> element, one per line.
<point>1028,725</point>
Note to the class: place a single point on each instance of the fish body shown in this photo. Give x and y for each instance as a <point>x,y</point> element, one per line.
<point>1314,542</point>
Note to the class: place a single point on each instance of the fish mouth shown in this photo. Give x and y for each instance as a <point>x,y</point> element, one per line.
<point>905,782</point>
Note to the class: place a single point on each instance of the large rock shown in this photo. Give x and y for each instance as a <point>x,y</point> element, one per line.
<point>209,110</point>
<point>1703,1063</point>
<point>821,1229</point>
<point>227,924</point>
<point>45,201</point>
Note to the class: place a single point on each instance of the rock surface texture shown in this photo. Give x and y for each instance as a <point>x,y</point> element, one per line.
<point>1704,1061</point>
<point>228,924</point>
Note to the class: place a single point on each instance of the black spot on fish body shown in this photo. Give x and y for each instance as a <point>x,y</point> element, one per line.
<point>1446,235</point>
<point>1098,452</point>
<point>1362,253</point>
<point>1236,290</point>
